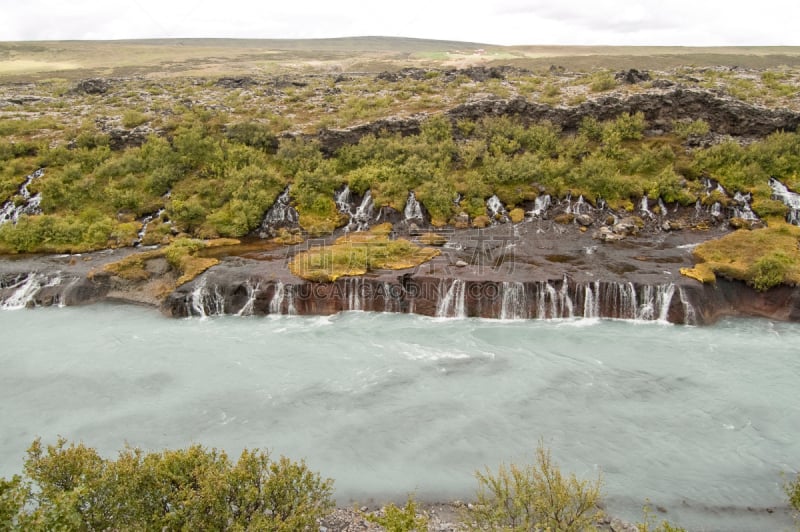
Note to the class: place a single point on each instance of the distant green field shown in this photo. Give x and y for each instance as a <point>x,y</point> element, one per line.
<point>214,57</point>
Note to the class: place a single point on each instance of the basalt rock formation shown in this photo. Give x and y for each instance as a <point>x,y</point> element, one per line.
<point>724,115</point>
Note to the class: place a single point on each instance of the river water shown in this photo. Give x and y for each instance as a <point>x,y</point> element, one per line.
<point>702,421</point>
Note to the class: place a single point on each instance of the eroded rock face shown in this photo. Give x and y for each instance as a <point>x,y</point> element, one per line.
<point>725,116</point>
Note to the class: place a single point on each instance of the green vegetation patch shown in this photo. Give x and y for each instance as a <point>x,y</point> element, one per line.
<point>358,253</point>
<point>71,487</point>
<point>181,255</point>
<point>763,258</point>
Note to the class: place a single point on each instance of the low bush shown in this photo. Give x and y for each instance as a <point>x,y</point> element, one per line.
<point>71,487</point>
<point>535,497</point>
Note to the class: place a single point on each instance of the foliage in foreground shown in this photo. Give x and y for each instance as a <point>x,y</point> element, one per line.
<point>70,487</point>
<point>535,497</point>
<point>404,519</point>
<point>792,489</point>
<point>763,258</point>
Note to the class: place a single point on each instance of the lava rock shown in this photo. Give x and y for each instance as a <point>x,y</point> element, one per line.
<point>92,86</point>
<point>632,76</point>
<point>235,83</point>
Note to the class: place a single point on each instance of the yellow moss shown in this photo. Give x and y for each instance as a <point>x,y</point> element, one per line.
<point>356,254</point>
<point>701,273</point>
<point>480,221</point>
<point>516,215</point>
<point>762,257</point>
<point>432,239</point>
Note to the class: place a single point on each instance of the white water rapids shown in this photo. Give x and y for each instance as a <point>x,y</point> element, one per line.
<point>702,421</point>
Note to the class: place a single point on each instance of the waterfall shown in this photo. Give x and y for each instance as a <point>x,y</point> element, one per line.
<point>790,199</point>
<point>495,209</point>
<point>388,299</point>
<point>413,210</point>
<point>581,207</point>
<point>24,293</point>
<point>252,292</point>
<point>662,207</point>
<point>513,304</point>
<point>276,303</point>
<point>28,287</point>
<point>716,210</point>
<point>361,218</point>
<point>10,211</point>
<point>540,205</point>
<point>204,302</point>
<point>591,300</point>
<point>342,200</point>
<point>280,214</point>
<point>353,288</point>
<point>291,310</point>
<point>742,208</point>
<point>145,222</point>
<point>453,304</point>
<point>644,208</point>
<point>689,314</point>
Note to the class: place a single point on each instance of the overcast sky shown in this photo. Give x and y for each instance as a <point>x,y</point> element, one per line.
<point>624,22</point>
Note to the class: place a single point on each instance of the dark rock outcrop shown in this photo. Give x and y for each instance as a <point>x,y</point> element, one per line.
<point>724,115</point>
<point>92,86</point>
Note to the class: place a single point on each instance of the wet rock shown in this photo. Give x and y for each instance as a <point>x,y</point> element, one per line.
<point>461,263</point>
<point>584,220</point>
<point>632,76</point>
<point>628,226</point>
<point>92,86</point>
<point>605,234</point>
<point>618,525</point>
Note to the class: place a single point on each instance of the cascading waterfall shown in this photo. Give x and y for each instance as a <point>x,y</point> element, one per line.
<point>280,214</point>
<point>388,297</point>
<point>145,222</point>
<point>10,211</point>
<point>204,302</point>
<point>291,310</point>
<point>25,291</point>
<point>581,207</point>
<point>27,288</point>
<point>689,314</point>
<point>662,207</point>
<point>514,303</point>
<point>591,300</point>
<point>413,209</point>
<point>540,205</point>
<point>495,209</point>
<point>644,208</point>
<point>790,199</point>
<point>353,287</point>
<point>453,304</point>
<point>252,292</point>
<point>276,303</point>
<point>342,200</point>
<point>742,209</point>
<point>363,216</point>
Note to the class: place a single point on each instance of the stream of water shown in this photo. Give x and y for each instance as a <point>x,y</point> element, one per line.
<point>702,421</point>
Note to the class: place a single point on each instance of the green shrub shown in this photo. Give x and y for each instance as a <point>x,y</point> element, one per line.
<point>769,270</point>
<point>132,118</point>
<point>404,519</point>
<point>602,81</point>
<point>690,128</point>
<point>792,489</point>
<point>535,497</point>
<point>70,487</point>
